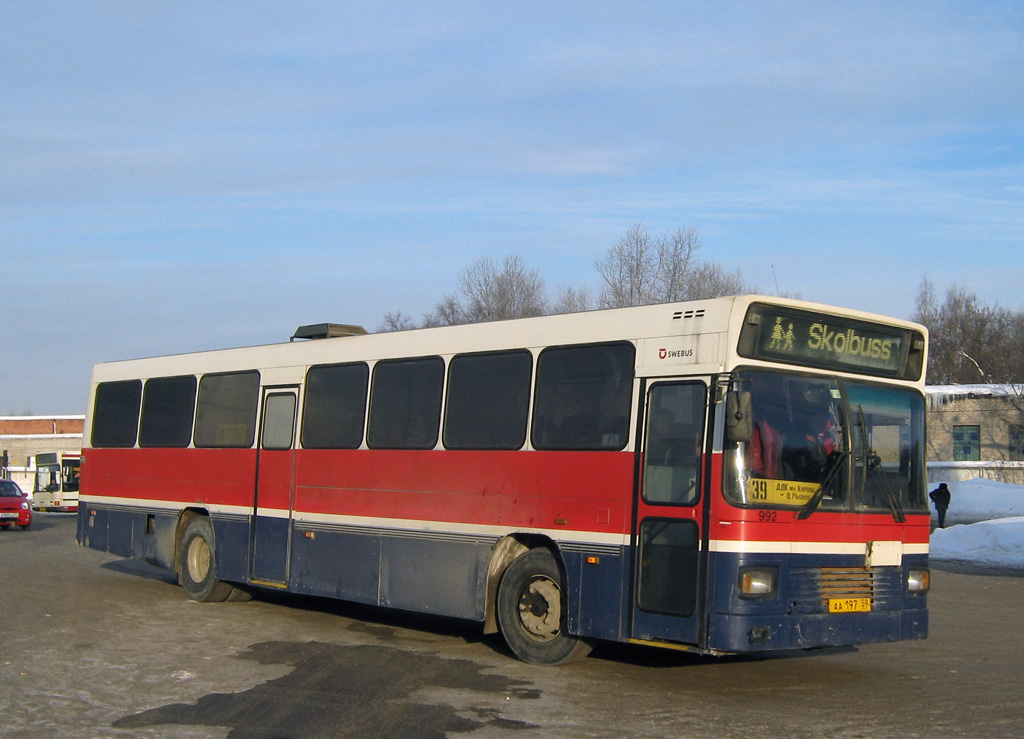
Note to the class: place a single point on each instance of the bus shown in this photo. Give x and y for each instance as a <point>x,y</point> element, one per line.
<point>741,474</point>
<point>57,481</point>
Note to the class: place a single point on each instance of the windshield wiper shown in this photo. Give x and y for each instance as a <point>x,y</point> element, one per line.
<point>892,494</point>
<point>812,505</point>
<point>871,461</point>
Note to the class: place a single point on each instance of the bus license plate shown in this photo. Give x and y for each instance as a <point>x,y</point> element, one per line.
<point>848,605</point>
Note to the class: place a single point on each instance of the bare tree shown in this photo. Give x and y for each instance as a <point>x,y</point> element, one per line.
<point>641,269</point>
<point>449,312</point>
<point>675,264</point>
<point>970,342</point>
<point>489,291</point>
<point>629,271</point>
<point>396,321</point>
<point>712,280</point>
<point>493,293</point>
<point>572,300</point>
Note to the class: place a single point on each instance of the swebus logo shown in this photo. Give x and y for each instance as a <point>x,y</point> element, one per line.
<point>675,353</point>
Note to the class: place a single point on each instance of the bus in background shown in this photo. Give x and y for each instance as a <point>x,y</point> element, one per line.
<point>56,482</point>
<point>730,475</point>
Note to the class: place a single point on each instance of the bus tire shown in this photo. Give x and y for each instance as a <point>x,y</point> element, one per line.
<point>531,611</point>
<point>197,563</point>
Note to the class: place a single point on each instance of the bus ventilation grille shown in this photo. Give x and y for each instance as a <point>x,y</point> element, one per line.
<point>688,314</point>
<point>814,586</point>
<point>846,582</point>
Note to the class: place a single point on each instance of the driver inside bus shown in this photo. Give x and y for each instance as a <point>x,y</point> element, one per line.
<point>814,447</point>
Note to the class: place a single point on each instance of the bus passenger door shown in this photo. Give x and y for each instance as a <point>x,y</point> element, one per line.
<point>271,536</point>
<point>670,514</point>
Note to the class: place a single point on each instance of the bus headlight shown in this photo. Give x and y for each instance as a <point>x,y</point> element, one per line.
<point>918,581</point>
<point>759,582</point>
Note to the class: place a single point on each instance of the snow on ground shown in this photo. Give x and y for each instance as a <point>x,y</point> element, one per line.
<point>985,524</point>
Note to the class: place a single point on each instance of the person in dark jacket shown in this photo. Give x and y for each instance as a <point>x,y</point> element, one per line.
<point>940,497</point>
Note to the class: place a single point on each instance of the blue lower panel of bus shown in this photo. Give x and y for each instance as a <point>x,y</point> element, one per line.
<point>598,590</point>
<point>877,606</point>
<point>446,574</point>
<point>149,535</point>
<point>430,573</point>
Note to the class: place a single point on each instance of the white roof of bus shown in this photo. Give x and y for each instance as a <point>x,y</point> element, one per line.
<point>714,316</point>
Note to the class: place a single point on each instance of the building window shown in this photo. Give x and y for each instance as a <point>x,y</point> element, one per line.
<point>1016,451</point>
<point>967,443</point>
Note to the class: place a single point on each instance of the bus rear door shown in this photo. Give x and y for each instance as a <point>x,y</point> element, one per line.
<point>274,487</point>
<point>670,514</point>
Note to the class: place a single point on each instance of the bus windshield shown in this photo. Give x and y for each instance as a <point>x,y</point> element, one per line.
<point>48,478</point>
<point>820,443</point>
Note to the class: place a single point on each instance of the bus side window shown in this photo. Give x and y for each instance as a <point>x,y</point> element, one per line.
<point>583,397</point>
<point>168,406</point>
<point>488,400</point>
<point>405,403</point>
<point>115,421</point>
<point>226,410</point>
<point>334,409</point>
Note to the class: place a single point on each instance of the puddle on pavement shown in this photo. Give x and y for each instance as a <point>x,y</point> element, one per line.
<point>346,691</point>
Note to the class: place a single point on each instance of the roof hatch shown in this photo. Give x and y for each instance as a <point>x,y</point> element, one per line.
<point>327,331</point>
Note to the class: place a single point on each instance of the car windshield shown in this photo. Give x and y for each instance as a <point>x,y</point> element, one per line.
<point>822,443</point>
<point>10,490</point>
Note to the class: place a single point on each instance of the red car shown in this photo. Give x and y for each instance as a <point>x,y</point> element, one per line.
<point>14,507</point>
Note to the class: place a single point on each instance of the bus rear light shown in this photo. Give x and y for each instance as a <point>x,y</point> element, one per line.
<point>759,582</point>
<point>918,581</point>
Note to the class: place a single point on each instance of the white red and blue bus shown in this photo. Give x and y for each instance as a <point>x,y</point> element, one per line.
<point>56,482</point>
<point>731,475</point>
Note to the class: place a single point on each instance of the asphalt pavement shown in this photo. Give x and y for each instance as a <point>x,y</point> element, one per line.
<point>96,646</point>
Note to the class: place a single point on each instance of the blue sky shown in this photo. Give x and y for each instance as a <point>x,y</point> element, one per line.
<point>193,175</point>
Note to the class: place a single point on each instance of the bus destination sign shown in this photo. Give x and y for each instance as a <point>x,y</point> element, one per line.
<point>825,341</point>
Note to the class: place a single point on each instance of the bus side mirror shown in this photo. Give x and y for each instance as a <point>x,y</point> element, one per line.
<point>738,426</point>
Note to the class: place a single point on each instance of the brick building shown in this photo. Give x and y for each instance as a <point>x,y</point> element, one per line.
<point>23,437</point>
<point>975,431</point>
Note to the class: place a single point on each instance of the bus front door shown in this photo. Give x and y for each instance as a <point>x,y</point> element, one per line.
<point>670,514</point>
<point>271,529</point>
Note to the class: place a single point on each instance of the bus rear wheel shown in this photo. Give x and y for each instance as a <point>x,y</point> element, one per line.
<point>531,611</point>
<point>197,564</point>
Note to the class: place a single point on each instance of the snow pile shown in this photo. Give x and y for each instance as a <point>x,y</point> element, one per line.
<point>998,542</point>
<point>940,395</point>
<point>982,500</point>
<point>985,524</point>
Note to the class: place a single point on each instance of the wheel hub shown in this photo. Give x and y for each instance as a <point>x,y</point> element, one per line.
<point>540,609</point>
<point>198,559</point>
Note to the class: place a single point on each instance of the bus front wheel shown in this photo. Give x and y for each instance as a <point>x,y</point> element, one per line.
<point>197,564</point>
<point>531,611</point>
